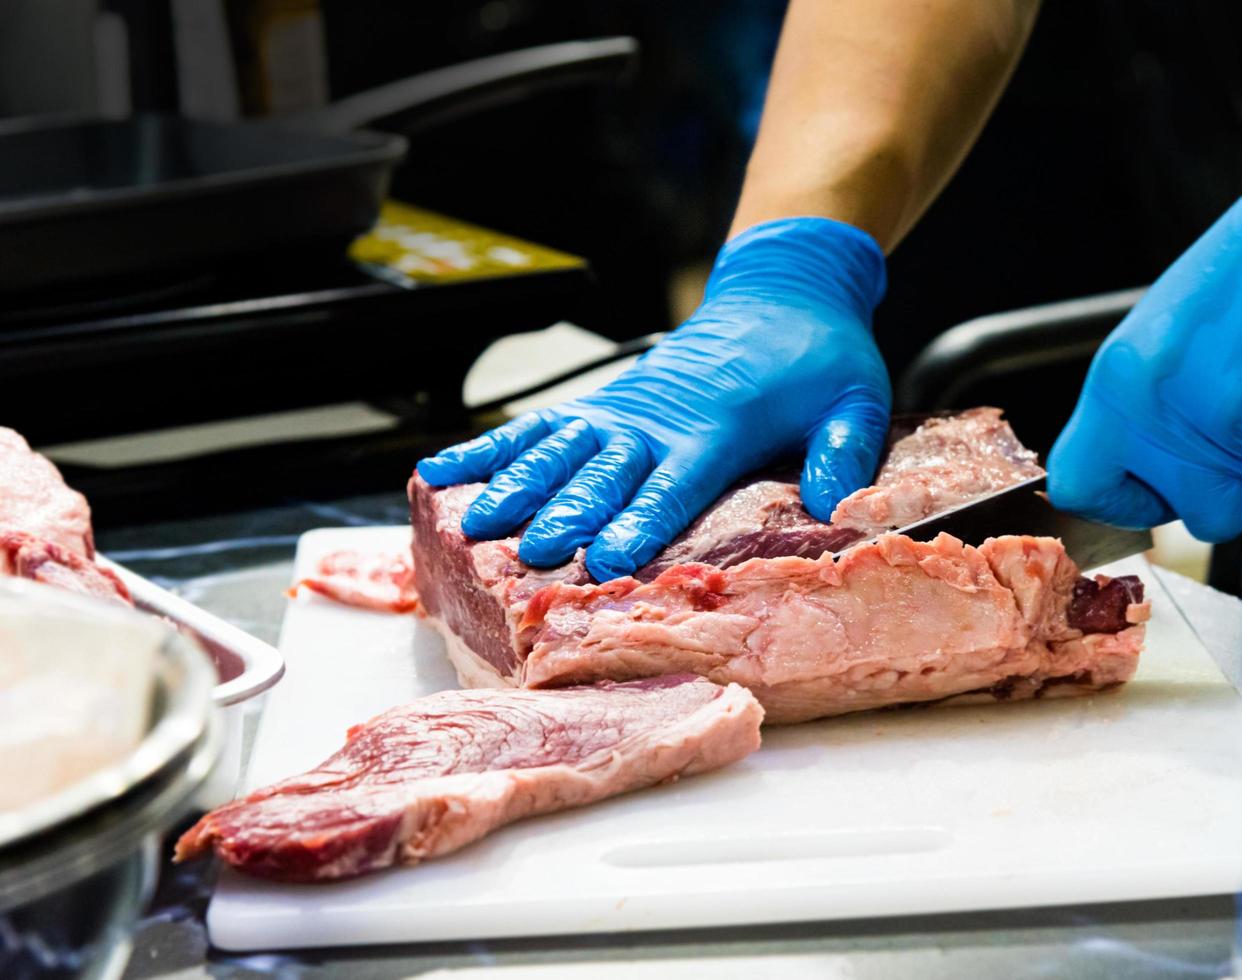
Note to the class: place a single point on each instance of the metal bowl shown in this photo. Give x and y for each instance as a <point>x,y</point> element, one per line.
<point>179,708</point>
<point>77,866</point>
<point>69,897</point>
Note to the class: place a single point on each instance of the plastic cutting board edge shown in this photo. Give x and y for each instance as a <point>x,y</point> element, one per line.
<point>1131,795</point>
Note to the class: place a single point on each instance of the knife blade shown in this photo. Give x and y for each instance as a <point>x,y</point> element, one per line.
<point>1024,509</point>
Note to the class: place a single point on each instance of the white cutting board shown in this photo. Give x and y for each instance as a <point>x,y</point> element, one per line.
<point>1125,796</point>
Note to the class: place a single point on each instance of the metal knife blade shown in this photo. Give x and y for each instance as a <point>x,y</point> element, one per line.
<point>1023,509</point>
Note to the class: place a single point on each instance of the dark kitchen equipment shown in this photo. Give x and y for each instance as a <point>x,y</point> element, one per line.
<point>1000,346</point>
<point>83,199</point>
<point>1031,362</point>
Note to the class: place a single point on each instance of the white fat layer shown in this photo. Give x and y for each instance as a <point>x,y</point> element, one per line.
<point>472,670</point>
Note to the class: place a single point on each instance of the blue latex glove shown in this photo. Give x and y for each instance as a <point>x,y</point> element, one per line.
<point>778,357</point>
<point>1157,432</point>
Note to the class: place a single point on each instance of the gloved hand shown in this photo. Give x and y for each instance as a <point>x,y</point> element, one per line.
<point>1157,432</point>
<point>778,357</point>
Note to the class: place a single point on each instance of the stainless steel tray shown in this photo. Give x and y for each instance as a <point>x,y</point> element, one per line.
<point>247,666</point>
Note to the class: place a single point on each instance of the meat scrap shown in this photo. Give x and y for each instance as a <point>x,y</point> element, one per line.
<point>752,593</point>
<point>25,556</point>
<point>378,581</point>
<point>428,778</point>
<point>45,527</point>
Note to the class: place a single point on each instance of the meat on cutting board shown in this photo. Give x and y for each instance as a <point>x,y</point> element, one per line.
<point>425,779</point>
<point>887,623</point>
<point>45,527</point>
<point>378,581</point>
<point>748,593</point>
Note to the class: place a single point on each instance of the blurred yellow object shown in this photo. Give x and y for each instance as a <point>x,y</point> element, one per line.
<point>430,247</point>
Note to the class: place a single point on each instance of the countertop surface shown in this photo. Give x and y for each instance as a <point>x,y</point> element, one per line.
<point>238,566</point>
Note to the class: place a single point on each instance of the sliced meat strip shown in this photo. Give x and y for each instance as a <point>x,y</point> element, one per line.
<point>427,778</point>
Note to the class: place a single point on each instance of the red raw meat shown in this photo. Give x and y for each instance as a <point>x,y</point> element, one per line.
<point>428,778</point>
<point>26,556</point>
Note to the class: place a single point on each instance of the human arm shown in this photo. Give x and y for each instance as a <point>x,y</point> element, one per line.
<point>779,358</point>
<point>873,104</point>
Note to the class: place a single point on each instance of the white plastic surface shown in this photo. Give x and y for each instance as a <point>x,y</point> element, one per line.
<point>1131,795</point>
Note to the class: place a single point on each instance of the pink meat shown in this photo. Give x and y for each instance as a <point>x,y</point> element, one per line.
<point>886,623</point>
<point>943,463</point>
<point>377,581</point>
<point>45,527</point>
<point>498,620</point>
<point>34,499</point>
<point>428,778</point>
<point>940,464</point>
<point>25,556</point>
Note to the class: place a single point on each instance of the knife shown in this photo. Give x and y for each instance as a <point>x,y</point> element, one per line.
<point>1024,509</point>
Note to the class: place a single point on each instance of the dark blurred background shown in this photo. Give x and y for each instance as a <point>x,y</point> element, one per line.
<point>1117,142</point>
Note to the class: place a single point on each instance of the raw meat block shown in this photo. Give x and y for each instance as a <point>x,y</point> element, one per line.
<point>751,593</point>
<point>430,777</point>
<point>45,527</point>
<point>34,498</point>
<point>886,623</point>
<point>475,592</point>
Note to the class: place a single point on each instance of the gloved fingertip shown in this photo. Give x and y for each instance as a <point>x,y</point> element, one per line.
<point>473,526</point>
<point>438,471</point>
<point>547,547</point>
<point>1080,483</point>
<point>1108,497</point>
<point>841,458</point>
<point>605,565</point>
<point>620,549</point>
<point>485,520</point>
<point>821,492</point>
<point>1214,528</point>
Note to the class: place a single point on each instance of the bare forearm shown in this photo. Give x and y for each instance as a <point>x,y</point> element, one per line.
<point>873,104</point>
